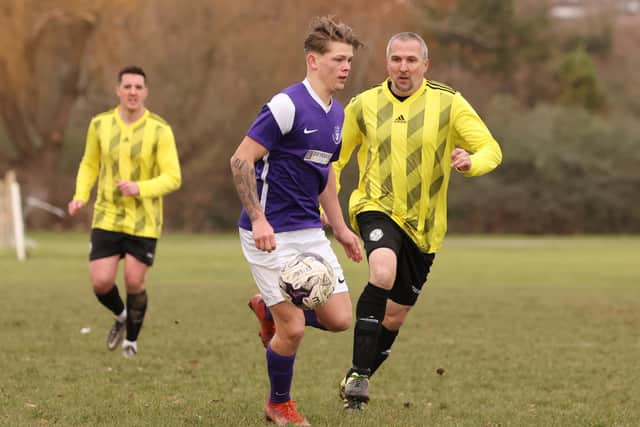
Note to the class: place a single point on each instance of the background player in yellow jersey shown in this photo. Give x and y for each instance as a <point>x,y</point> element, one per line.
<point>133,154</point>
<point>410,132</point>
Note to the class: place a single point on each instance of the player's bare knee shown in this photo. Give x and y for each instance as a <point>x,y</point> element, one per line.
<point>338,323</point>
<point>102,284</point>
<point>292,333</point>
<point>134,287</point>
<point>101,288</point>
<point>341,327</point>
<point>394,321</point>
<point>393,324</point>
<point>134,281</point>
<point>382,276</point>
<point>345,321</point>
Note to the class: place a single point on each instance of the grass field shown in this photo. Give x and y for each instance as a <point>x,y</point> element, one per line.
<point>529,331</point>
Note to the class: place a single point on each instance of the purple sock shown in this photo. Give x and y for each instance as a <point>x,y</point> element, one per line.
<point>280,370</point>
<point>311,319</point>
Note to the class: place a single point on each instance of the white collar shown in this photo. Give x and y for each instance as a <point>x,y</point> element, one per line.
<point>315,96</point>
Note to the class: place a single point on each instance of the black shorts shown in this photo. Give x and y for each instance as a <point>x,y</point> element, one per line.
<point>108,243</point>
<point>380,231</point>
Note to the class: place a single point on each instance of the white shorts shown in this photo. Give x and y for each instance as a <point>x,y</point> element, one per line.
<point>265,266</point>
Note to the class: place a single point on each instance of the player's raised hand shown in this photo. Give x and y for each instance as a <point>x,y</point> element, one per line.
<point>350,242</point>
<point>460,159</point>
<point>263,235</point>
<point>74,206</point>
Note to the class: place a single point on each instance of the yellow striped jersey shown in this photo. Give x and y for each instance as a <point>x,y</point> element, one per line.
<point>144,152</point>
<point>404,156</point>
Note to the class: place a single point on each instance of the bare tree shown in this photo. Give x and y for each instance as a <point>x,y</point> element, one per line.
<point>211,66</point>
<point>39,84</point>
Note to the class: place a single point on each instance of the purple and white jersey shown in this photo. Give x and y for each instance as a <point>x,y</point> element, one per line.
<point>303,137</point>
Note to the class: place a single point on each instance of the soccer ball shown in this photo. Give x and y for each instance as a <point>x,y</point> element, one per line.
<point>307,280</point>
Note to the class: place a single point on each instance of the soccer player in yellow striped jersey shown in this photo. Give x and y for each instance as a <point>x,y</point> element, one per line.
<point>132,153</point>
<point>411,132</point>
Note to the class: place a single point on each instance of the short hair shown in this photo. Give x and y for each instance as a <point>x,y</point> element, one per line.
<point>325,29</point>
<point>409,36</point>
<point>131,69</point>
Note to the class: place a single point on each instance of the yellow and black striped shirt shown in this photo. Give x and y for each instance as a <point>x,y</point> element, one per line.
<point>144,152</point>
<point>404,158</point>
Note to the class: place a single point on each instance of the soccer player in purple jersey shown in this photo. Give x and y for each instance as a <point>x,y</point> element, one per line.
<point>282,172</point>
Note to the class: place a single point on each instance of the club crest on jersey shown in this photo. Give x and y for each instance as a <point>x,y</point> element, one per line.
<point>376,235</point>
<point>336,136</point>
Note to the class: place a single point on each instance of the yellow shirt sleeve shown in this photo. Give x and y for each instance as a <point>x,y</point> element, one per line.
<point>470,132</point>
<point>351,138</point>
<point>170,177</point>
<point>89,166</point>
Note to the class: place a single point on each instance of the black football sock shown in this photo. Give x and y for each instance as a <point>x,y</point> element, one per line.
<point>385,341</point>
<point>112,300</point>
<point>369,315</point>
<point>136,308</point>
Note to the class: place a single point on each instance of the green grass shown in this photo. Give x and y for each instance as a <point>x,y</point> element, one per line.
<point>529,331</point>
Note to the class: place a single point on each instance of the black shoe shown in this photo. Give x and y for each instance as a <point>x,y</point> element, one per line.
<point>354,391</point>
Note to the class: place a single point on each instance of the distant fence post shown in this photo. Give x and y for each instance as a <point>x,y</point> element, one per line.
<point>11,218</point>
<point>5,216</point>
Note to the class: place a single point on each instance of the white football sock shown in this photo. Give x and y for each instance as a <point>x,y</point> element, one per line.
<point>127,343</point>
<point>122,317</point>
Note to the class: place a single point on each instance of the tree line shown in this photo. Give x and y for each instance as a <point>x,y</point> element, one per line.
<point>549,91</point>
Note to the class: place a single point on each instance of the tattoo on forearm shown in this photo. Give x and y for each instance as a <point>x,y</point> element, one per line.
<point>245,182</point>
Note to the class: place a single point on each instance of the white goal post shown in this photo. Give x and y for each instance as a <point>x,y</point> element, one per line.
<point>11,216</point>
